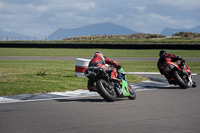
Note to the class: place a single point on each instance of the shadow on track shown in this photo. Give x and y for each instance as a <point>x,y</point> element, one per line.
<point>171,87</point>
<point>99,100</point>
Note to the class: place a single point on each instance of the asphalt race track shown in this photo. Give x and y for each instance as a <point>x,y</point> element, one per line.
<point>160,110</point>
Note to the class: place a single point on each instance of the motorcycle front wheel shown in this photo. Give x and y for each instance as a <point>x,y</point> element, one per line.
<point>132,93</point>
<point>182,83</point>
<point>103,89</point>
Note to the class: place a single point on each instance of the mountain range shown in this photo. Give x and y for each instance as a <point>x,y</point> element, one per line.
<point>170,31</point>
<point>106,28</point>
<point>11,35</point>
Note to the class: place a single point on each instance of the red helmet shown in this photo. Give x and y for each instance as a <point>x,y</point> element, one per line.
<point>98,53</point>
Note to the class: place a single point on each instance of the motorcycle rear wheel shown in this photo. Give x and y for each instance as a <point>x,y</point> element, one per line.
<point>179,80</point>
<point>103,89</point>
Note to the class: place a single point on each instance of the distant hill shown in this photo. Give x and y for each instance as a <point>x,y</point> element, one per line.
<point>170,31</point>
<point>10,35</point>
<point>106,28</point>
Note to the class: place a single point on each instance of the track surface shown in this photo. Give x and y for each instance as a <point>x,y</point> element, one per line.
<point>164,110</point>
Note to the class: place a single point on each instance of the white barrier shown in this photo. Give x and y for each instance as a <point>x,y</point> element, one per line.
<point>81,66</point>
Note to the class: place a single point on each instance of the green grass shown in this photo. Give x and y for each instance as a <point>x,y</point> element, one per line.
<point>89,52</point>
<point>23,77</point>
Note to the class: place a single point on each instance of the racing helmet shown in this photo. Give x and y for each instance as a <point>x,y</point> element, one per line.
<point>98,53</point>
<point>162,53</point>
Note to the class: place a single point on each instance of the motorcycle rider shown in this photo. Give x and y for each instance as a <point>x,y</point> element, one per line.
<point>165,57</point>
<point>101,61</point>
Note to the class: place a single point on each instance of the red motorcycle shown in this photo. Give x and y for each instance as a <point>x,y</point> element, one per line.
<point>179,75</point>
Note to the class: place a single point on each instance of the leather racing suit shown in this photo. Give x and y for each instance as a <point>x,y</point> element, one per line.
<point>101,62</point>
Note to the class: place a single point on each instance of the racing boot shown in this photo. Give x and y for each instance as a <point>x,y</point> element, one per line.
<point>92,88</point>
<point>171,81</point>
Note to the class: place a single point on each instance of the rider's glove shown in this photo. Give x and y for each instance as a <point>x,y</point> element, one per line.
<point>181,59</point>
<point>182,62</point>
<point>119,67</point>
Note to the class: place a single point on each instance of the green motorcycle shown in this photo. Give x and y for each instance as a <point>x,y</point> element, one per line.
<point>108,88</point>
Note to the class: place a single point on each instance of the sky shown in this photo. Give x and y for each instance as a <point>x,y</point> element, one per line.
<point>42,17</point>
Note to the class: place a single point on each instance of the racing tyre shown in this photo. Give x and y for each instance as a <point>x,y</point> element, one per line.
<point>132,95</point>
<point>183,84</point>
<point>103,89</point>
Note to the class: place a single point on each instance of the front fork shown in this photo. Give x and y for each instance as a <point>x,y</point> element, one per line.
<point>187,77</point>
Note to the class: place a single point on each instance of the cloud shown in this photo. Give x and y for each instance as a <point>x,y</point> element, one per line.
<point>184,4</point>
<point>42,17</point>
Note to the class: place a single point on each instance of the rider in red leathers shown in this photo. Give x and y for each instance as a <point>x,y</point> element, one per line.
<point>101,61</point>
<point>165,57</point>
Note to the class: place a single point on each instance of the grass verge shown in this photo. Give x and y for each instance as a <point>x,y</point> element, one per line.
<point>89,52</point>
<point>39,76</point>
